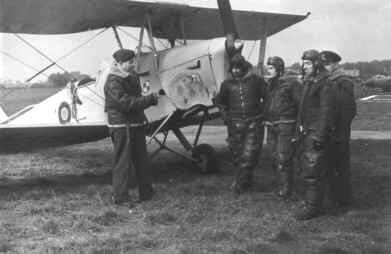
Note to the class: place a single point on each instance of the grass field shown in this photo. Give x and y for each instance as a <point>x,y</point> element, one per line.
<point>58,201</point>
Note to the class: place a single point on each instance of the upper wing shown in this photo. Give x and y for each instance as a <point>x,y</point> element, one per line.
<point>64,16</point>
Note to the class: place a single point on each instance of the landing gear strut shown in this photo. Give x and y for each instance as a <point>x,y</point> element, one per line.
<point>203,155</point>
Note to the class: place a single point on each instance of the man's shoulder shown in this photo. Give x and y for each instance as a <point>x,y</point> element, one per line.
<point>343,79</point>
<point>290,81</point>
<point>114,82</point>
<point>254,77</point>
<point>339,75</point>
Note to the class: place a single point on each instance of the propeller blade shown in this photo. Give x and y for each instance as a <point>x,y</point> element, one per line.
<point>227,18</point>
<point>231,45</point>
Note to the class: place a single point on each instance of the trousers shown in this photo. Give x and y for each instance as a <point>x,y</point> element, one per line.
<point>131,162</point>
<point>339,175</point>
<point>244,141</point>
<point>314,167</point>
<point>283,150</point>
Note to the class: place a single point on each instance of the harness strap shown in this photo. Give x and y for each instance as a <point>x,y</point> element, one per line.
<point>267,124</point>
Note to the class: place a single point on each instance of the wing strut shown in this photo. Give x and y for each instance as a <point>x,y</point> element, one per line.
<point>140,44</point>
<point>160,127</point>
<point>262,49</point>
<point>117,37</point>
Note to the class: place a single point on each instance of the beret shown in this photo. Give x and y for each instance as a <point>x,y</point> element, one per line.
<point>328,56</point>
<point>123,55</point>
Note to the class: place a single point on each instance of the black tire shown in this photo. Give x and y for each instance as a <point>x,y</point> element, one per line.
<point>207,156</point>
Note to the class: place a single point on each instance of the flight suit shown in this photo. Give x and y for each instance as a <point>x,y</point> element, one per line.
<point>241,103</point>
<point>125,106</point>
<point>315,121</point>
<point>281,109</point>
<point>339,160</point>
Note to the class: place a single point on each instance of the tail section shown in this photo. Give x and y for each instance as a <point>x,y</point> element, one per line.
<point>3,115</point>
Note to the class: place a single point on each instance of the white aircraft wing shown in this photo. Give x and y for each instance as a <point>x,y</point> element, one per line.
<point>64,16</point>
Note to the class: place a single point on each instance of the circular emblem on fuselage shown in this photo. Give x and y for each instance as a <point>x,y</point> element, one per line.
<point>64,113</point>
<point>146,87</point>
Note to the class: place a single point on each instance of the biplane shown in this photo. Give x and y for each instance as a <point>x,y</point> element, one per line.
<point>189,74</point>
<point>379,81</point>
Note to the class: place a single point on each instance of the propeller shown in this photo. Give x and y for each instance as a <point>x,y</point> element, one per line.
<point>232,44</point>
<point>227,18</point>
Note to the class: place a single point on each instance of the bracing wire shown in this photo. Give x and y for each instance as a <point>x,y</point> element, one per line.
<point>128,34</point>
<point>74,50</point>
<point>55,63</point>
<point>39,52</point>
<point>21,62</point>
<point>82,45</point>
<point>161,43</point>
<point>136,39</point>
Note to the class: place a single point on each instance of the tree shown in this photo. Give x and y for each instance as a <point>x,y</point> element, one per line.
<point>62,79</point>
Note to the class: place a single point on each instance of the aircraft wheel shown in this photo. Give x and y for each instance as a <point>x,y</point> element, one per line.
<point>207,156</point>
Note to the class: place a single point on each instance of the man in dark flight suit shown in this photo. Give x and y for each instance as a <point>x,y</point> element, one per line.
<point>125,106</point>
<point>339,160</point>
<point>281,107</point>
<point>241,103</point>
<point>315,125</point>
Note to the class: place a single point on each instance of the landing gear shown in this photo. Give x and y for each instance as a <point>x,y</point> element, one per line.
<point>203,155</point>
<point>207,157</point>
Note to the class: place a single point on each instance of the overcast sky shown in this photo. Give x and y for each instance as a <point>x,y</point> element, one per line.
<point>358,29</point>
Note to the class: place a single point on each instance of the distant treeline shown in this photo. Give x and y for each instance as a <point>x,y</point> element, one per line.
<point>61,79</point>
<point>56,80</point>
<point>367,69</point>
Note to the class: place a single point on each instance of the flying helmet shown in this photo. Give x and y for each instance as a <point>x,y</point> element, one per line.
<point>277,62</point>
<point>312,55</point>
<point>238,61</point>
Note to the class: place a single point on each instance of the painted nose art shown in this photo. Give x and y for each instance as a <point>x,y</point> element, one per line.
<point>188,89</point>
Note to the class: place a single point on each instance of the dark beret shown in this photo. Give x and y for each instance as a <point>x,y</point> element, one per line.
<point>328,56</point>
<point>123,55</point>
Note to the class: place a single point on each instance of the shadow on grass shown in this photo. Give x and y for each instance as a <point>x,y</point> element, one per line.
<point>68,182</point>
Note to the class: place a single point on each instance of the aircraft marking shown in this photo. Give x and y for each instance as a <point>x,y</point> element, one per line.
<point>64,113</point>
